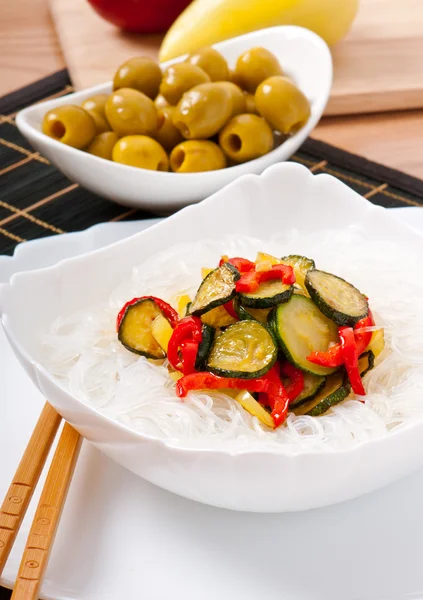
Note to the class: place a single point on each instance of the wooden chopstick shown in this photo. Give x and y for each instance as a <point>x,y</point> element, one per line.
<point>25,480</point>
<point>47,516</point>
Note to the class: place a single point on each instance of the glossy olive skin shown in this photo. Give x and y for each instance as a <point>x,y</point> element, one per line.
<point>167,134</point>
<point>203,111</point>
<point>142,152</point>
<point>250,104</point>
<point>194,156</point>
<point>246,137</point>
<point>212,62</point>
<point>95,106</point>
<point>254,66</point>
<point>102,145</point>
<point>282,104</point>
<point>140,73</point>
<point>130,112</point>
<point>179,78</point>
<point>237,97</point>
<point>70,124</point>
<point>160,102</point>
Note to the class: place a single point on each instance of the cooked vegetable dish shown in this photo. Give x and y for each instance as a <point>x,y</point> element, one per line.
<point>196,115</point>
<point>277,335</point>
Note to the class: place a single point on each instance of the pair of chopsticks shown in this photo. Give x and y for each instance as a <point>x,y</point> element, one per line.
<point>47,516</point>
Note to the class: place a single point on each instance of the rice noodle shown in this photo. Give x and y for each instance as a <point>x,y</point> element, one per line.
<point>84,356</point>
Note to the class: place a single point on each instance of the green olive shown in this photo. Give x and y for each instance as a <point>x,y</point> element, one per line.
<point>212,62</point>
<point>160,102</point>
<point>246,137</point>
<point>250,104</point>
<point>140,73</point>
<point>179,78</point>
<point>103,143</point>
<point>167,134</point>
<point>254,66</point>
<point>237,96</point>
<point>194,156</point>
<point>141,151</point>
<point>95,106</point>
<point>130,112</point>
<point>282,104</point>
<point>203,111</point>
<point>69,124</point>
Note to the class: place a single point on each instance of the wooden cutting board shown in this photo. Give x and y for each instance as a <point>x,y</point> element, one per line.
<point>378,67</point>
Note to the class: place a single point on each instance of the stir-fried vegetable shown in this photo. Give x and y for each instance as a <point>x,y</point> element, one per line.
<point>299,338</point>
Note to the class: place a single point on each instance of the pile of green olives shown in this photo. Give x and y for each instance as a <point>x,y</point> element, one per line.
<point>197,115</point>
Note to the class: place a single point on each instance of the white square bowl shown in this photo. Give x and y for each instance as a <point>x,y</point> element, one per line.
<point>285,196</point>
<point>304,56</point>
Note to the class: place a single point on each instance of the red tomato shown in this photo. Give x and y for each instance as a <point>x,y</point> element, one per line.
<point>140,16</point>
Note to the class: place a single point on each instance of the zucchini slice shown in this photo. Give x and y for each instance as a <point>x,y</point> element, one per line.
<point>301,266</point>
<point>259,314</point>
<point>269,293</point>
<point>336,298</point>
<point>366,362</point>
<point>215,289</point>
<point>245,350</point>
<point>205,346</point>
<point>301,329</point>
<point>335,390</point>
<point>135,330</point>
<point>313,384</point>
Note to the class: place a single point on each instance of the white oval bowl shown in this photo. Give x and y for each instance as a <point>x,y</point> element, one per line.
<point>261,481</point>
<point>304,56</point>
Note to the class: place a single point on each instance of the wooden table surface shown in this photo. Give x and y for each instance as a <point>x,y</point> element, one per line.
<point>29,49</point>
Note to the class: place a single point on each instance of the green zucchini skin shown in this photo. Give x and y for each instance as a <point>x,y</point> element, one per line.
<point>278,322</point>
<point>205,346</point>
<point>267,301</point>
<point>323,400</point>
<point>330,308</point>
<point>313,384</point>
<point>245,314</point>
<point>128,332</point>
<point>237,345</point>
<point>227,272</point>
<point>329,400</point>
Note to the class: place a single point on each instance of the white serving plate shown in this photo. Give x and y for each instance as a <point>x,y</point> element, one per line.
<point>302,53</point>
<point>241,481</point>
<point>125,533</point>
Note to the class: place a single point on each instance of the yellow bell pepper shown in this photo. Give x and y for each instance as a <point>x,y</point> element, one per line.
<point>205,22</point>
<point>162,331</point>
<point>250,404</point>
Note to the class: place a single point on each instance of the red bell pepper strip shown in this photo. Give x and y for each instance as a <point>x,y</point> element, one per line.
<point>203,380</point>
<point>243,265</point>
<point>333,356</point>
<point>250,281</point>
<point>350,359</point>
<point>189,352</point>
<point>168,312</point>
<point>296,384</point>
<point>229,307</point>
<point>189,329</point>
<point>283,272</point>
<point>280,403</point>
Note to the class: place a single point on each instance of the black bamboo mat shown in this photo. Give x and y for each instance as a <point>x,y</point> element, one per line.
<point>36,200</point>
